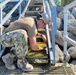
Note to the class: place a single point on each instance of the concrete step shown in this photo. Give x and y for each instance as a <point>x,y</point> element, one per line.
<point>41,69</point>
<point>32,13</point>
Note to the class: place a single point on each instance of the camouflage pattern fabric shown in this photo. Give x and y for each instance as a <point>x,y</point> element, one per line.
<point>17,40</point>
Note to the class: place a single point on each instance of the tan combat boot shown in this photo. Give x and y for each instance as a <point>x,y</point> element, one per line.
<point>24,65</point>
<point>8,60</point>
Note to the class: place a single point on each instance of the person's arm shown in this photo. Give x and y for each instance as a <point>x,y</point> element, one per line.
<point>34,45</point>
<point>42,36</point>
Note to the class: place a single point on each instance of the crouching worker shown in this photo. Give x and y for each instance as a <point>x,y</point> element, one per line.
<point>15,36</point>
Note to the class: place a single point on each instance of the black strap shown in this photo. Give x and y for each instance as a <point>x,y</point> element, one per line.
<point>36,23</point>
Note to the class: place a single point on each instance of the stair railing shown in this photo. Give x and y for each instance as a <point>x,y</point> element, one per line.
<point>6,17</point>
<point>50,8</point>
<point>66,38</point>
<point>27,4</point>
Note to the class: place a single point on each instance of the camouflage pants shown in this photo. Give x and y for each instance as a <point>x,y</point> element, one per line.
<point>17,40</point>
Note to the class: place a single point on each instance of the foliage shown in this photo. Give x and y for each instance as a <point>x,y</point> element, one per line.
<point>57,2</point>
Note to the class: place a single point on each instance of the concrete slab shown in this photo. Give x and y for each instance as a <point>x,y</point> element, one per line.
<point>40,69</point>
<point>2,69</point>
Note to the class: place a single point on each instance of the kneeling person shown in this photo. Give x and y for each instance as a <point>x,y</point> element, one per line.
<point>16,37</point>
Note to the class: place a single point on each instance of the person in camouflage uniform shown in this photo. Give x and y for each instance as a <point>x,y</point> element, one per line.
<point>15,36</point>
<point>18,42</point>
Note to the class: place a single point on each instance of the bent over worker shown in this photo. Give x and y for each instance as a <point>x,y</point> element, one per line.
<point>15,36</point>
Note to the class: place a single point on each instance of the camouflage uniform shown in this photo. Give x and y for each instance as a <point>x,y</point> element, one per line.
<point>16,39</point>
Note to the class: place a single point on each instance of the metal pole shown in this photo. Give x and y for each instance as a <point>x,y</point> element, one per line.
<point>54,30</point>
<point>1,20</point>
<point>19,10</point>
<point>65,32</point>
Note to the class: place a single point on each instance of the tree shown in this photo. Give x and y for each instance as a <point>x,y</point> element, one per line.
<point>57,2</point>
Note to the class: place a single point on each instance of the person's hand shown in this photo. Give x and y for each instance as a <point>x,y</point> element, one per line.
<point>44,37</point>
<point>42,48</point>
